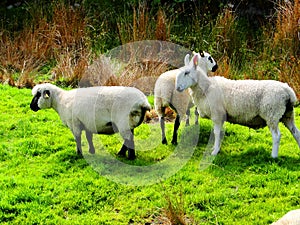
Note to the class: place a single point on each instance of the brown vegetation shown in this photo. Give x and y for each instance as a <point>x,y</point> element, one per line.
<point>60,45</point>
<point>286,43</point>
<point>61,41</point>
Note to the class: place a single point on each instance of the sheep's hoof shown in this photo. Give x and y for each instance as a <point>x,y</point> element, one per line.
<point>79,152</point>
<point>174,142</point>
<point>214,153</point>
<point>164,141</point>
<point>92,150</point>
<point>131,154</point>
<point>122,153</point>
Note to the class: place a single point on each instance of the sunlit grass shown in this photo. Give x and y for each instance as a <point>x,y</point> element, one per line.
<point>42,180</point>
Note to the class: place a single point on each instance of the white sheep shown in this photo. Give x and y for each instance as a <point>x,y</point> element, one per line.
<point>291,218</point>
<point>165,95</point>
<point>102,110</point>
<point>253,103</point>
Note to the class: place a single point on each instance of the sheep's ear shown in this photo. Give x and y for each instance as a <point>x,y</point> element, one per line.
<point>195,60</point>
<point>201,53</point>
<point>46,94</point>
<point>187,59</point>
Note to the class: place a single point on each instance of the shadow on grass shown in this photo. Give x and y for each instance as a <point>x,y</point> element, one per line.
<point>255,159</point>
<point>163,161</point>
<point>242,148</point>
<point>145,170</point>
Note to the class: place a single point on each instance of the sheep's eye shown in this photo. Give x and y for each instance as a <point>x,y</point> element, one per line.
<point>46,94</point>
<point>210,59</point>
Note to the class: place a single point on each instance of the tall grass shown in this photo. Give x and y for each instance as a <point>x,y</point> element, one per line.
<point>174,210</point>
<point>229,45</point>
<point>25,51</point>
<point>286,40</point>
<point>277,58</point>
<point>144,24</point>
<point>70,43</point>
<point>59,42</point>
<point>225,45</point>
<point>286,43</point>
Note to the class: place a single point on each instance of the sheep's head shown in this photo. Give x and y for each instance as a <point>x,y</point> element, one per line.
<point>187,76</point>
<point>41,97</point>
<point>201,63</point>
<point>206,62</point>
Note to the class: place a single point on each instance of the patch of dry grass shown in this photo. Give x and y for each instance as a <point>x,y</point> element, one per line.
<point>62,40</point>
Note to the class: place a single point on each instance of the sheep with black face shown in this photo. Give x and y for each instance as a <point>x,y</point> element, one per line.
<point>102,110</point>
<point>165,95</point>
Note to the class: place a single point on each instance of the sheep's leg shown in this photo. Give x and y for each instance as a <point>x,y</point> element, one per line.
<point>78,143</point>
<point>123,150</point>
<point>130,145</point>
<point>89,137</point>
<point>196,116</point>
<point>175,132</point>
<point>290,124</point>
<point>276,139</point>
<point>217,134</point>
<point>188,113</point>
<point>163,133</point>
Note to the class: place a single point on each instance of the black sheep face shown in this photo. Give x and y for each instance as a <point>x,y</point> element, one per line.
<point>41,100</point>
<point>209,61</point>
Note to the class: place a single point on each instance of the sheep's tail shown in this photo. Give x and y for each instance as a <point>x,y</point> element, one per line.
<point>292,100</point>
<point>292,96</point>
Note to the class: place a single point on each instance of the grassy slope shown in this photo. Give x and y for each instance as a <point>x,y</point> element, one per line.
<point>43,181</point>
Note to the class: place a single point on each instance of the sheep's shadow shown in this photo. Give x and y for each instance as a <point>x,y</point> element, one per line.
<point>254,159</point>
<point>236,156</point>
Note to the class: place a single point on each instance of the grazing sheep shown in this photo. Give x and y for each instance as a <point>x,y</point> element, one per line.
<point>253,103</point>
<point>291,218</point>
<point>102,110</point>
<point>165,95</point>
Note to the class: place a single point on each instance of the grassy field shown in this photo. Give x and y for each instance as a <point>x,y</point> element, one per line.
<point>43,181</point>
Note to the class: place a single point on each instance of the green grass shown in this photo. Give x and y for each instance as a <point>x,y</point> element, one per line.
<point>43,181</point>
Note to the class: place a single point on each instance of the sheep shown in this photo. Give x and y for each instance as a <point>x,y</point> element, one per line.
<point>252,103</point>
<point>102,110</point>
<point>291,218</point>
<point>165,95</point>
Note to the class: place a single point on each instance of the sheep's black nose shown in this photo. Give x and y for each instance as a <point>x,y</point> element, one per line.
<point>34,108</point>
<point>33,105</point>
<point>215,67</point>
<point>179,89</point>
